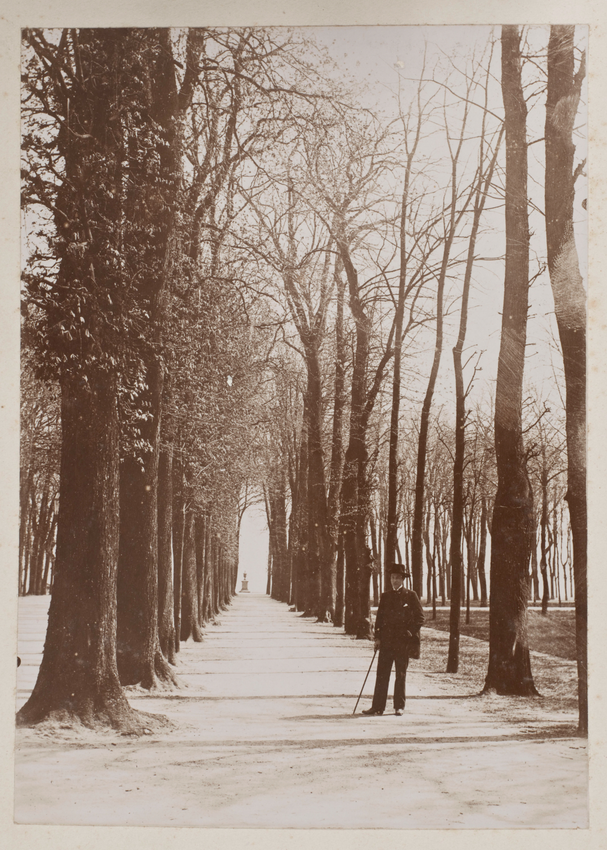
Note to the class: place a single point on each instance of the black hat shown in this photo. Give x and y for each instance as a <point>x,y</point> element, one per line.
<point>399,569</point>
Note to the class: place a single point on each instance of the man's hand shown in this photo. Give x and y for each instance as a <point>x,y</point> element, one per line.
<point>376,645</point>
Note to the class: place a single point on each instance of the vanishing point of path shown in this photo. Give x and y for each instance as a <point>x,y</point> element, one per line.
<point>263,735</point>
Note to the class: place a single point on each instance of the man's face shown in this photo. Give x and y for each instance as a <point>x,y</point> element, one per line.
<point>397,581</point>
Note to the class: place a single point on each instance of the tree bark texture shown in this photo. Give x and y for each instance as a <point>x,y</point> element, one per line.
<point>337,447</point>
<point>140,659</point>
<point>150,208</point>
<point>280,561</point>
<point>485,176</point>
<point>482,552</point>
<point>357,611</point>
<point>392,519</point>
<point>509,670</point>
<point>190,622</point>
<point>166,602</point>
<point>178,540</point>
<point>78,676</point>
<point>563,96</point>
<point>319,591</point>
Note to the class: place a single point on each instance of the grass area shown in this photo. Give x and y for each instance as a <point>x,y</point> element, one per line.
<point>553,634</point>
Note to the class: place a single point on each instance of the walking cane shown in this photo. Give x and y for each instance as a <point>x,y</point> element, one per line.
<point>365,682</point>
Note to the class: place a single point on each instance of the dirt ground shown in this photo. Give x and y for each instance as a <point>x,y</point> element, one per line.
<point>262,734</point>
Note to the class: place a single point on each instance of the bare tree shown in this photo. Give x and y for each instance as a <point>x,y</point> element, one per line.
<point>509,669</point>
<point>488,154</point>
<point>563,97</point>
<point>457,205</point>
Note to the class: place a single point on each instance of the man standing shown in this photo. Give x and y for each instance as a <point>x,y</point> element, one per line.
<point>399,618</point>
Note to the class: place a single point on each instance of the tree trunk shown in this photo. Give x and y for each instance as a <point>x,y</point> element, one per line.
<point>277,498</point>
<point>269,576</point>
<point>340,581</point>
<point>375,548</point>
<point>482,553</point>
<point>140,656</point>
<point>392,518</point>
<point>199,537</point>
<point>26,488</point>
<point>166,602</point>
<point>482,189</point>
<point>337,450</point>
<point>140,660</point>
<point>420,478</point>
<point>47,578</point>
<point>299,522</point>
<point>357,611</point>
<point>535,579</point>
<point>190,622</point>
<point>42,529</point>
<point>509,669</point>
<point>178,541</point>
<point>207,599</point>
<point>355,487</point>
<point>216,596</point>
<point>570,305</point>
<point>319,590</point>
<point>78,676</point>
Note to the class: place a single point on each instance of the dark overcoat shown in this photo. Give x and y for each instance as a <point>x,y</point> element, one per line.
<point>399,612</point>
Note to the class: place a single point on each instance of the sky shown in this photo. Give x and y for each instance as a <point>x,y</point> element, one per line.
<point>253,550</point>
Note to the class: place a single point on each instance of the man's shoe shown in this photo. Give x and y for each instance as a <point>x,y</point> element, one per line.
<point>372,712</point>
<point>399,712</point>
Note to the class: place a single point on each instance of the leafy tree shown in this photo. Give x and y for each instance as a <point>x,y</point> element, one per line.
<point>82,87</point>
<point>153,144</point>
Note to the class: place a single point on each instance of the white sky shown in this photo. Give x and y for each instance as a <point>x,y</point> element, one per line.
<point>253,554</point>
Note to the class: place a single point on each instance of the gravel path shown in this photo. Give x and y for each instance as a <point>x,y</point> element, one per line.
<point>262,735</point>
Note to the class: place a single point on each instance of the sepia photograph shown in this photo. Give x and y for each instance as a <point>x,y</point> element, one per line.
<point>302,477</point>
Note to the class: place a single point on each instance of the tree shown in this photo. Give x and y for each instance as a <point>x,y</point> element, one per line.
<point>82,332</point>
<point>409,282</point>
<point>484,177</point>
<point>337,454</point>
<point>563,97</point>
<point>355,487</point>
<point>452,218</point>
<point>154,147</point>
<point>307,282</point>
<point>348,168</point>
<point>509,669</point>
